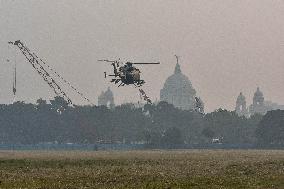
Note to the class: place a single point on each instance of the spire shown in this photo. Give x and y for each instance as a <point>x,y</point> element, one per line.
<point>177,68</point>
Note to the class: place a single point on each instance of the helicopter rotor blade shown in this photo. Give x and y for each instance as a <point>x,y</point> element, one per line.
<point>113,75</point>
<point>103,60</point>
<point>145,63</point>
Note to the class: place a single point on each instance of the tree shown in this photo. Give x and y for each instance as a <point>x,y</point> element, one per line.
<point>228,125</point>
<point>208,132</point>
<point>59,104</point>
<point>270,130</point>
<point>172,137</point>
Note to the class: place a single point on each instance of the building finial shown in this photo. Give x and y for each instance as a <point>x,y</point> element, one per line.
<point>177,68</point>
<point>176,58</point>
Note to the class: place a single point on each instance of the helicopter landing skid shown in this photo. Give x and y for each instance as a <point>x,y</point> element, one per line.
<point>136,86</point>
<point>139,83</point>
<point>121,84</point>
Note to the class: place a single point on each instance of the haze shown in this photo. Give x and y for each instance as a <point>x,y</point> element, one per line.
<point>226,46</point>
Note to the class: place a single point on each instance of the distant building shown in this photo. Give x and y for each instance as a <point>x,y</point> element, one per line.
<point>241,105</point>
<point>259,105</point>
<point>178,91</point>
<point>106,99</point>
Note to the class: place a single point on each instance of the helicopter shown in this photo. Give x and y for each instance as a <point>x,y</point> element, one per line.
<point>125,74</point>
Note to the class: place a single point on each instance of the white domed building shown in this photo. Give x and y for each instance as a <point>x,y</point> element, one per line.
<point>259,105</point>
<point>106,99</point>
<point>178,91</point>
<point>241,106</point>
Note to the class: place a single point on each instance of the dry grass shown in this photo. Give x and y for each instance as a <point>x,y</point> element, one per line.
<point>142,169</point>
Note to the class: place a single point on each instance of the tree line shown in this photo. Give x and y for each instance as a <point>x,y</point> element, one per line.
<point>160,125</point>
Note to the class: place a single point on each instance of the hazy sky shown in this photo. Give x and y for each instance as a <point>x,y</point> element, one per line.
<point>226,46</point>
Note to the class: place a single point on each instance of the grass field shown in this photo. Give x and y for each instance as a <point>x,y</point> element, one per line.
<point>142,169</point>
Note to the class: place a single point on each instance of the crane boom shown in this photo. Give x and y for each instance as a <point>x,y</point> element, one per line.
<point>35,62</point>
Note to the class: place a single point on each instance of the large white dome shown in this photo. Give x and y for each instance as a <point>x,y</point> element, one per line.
<point>178,90</point>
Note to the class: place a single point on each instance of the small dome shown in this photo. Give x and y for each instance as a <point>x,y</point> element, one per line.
<point>241,97</point>
<point>258,98</point>
<point>258,92</point>
<point>108,92</point>
<point>106,98</point>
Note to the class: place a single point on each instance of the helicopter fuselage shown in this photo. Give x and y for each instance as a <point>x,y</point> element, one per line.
<point>126,74</point>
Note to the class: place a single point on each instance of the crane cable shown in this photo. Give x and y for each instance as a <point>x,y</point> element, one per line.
<point>64,80</point>
<point>144,96</point>
<point>15,77</point>
<point>14,85</point>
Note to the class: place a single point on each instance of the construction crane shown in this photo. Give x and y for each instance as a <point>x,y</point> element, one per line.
<point>38,64</point>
